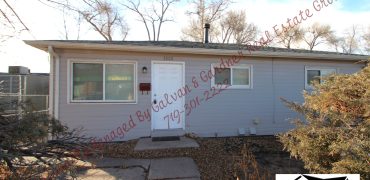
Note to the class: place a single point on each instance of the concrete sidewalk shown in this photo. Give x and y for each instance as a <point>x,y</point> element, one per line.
<point>140,169</point>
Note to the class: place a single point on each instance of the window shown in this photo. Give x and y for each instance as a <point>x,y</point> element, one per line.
<point>103,82</point>
<point>315,75</point>
<point>87,81</point>
<point>239,77</point>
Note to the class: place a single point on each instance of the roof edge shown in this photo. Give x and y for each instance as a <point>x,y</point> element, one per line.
<point>43,45</point>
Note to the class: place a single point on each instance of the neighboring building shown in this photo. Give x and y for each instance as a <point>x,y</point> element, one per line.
<point>19,85</point>
<point>124,90</point>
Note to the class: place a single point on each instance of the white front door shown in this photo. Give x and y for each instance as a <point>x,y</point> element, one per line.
<point>167,106</point>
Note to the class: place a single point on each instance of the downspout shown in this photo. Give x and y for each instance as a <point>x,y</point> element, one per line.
<point>53,83</point>
<point>273,90</point>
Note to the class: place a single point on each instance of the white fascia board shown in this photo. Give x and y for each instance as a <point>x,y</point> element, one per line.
<point>195,51</point>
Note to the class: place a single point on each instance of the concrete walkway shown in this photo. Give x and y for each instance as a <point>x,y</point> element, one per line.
<point>141,169</point>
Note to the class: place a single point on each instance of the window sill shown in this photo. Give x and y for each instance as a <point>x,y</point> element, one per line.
<point>103,102</point>
<point>246,88</point>
<point>232,87</point>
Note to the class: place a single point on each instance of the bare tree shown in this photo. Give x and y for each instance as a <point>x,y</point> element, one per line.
<point>72,22</point>
<point>66,35</point>
<point>11,23</point>
<point>366,38</point>
<point>235,29</point>
<point>335,41</point>
<point>104,18</point>
<point>290,37</point>
<point>348,43</point>
<point>204,12</point>
<point>317,34</point>
<point>154,16</point>
<point>101,15</point>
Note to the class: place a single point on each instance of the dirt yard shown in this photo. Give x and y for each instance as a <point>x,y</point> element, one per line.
<point>217,157</point>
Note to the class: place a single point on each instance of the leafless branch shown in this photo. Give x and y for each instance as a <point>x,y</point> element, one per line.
<point>290,37</point>
<point>135,8</point>
<point>25,136</point>
<point>6,17</point>
<point>65,26</point>
<point>16,14</point>
<point>317,34</point>
<point>151,16</point>
<point>350,40</point>
<point>204,12</point>
<point>101,15</point>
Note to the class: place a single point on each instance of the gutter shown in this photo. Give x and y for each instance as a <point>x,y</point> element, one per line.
<point>53,83</point>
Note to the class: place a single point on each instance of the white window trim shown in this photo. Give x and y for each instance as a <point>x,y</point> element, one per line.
<point>240,66</point>
<point>104,62</point>
<point>319,68</point>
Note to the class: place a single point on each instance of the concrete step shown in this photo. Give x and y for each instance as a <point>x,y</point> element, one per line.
<point>167,133</point>
<point>167,138</point>
<point>147,144</point>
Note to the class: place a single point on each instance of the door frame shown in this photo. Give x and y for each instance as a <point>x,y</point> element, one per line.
<point>182,85</point>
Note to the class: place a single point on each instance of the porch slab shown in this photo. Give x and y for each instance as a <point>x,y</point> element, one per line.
<point>147,144</point>
<point>167,133</point>
<point>173,168</point>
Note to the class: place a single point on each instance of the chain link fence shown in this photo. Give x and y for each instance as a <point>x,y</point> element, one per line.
<point>23,93</point>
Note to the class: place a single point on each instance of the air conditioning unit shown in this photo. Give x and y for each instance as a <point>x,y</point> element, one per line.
<point>18,70</point>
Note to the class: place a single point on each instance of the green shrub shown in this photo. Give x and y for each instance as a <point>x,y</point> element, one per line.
<point>334,136</point>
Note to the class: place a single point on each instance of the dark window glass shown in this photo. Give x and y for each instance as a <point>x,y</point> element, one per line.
<point>87,81</point>
<point>222,76</point>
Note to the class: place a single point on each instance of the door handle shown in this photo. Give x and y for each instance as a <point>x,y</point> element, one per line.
<point>155,101</point>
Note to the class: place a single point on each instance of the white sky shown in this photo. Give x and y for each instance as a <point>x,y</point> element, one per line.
<point>47,23</point>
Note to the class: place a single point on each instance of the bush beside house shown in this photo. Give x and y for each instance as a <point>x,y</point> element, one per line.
<point>26,153</point>
<point>335,135</point>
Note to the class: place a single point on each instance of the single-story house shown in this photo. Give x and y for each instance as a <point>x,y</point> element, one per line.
<point>123,90</point>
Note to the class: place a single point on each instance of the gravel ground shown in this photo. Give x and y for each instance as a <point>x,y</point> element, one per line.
<point>216,156</point>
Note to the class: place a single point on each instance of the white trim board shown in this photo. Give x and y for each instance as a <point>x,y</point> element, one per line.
<point>240,66</point>
<point>320,68</point>
<point>42,44</point>
<point>183,84</point>
<point>102,61</point>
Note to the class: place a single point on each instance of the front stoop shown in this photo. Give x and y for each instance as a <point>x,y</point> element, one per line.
<point>147,144</point>
<point>173,168</point>
<point>167,133</point>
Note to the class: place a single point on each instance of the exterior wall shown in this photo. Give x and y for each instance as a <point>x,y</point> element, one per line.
<point>221,115</point>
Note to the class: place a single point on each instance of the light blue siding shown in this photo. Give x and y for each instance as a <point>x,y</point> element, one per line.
<point>222,115</point>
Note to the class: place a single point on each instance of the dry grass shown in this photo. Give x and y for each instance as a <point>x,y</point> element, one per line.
<point>247,168</point>
<point>257,157</point>
<point>217,158</point>
<point>57,171</point>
